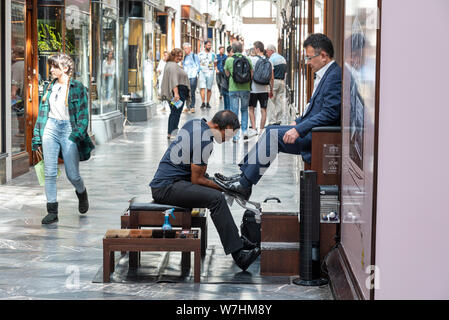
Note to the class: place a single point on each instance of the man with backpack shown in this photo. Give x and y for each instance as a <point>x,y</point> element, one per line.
<point>261,87</point>
<point>239,69</point>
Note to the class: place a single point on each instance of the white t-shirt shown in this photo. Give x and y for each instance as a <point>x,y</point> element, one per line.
<point>109,68</point>
<point>255,87</point>
<point>207,62</point>
<point>58,108</point>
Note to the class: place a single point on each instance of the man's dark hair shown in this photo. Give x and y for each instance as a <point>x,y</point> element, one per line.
<point>225,119</point>
<point>229,49</point>
<point>320,42</point>
<point>206,42</point>
<point>259,45</point>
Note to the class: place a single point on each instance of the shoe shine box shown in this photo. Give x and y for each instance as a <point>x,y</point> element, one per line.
<point>280,240</point>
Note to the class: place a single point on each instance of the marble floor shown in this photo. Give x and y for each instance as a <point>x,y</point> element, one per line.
<point>61,260</point>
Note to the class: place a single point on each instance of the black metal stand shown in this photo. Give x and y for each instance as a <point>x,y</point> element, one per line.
<point>309,228</point>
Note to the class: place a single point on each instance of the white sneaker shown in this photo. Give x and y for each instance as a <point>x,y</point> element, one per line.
<point>252,133</point>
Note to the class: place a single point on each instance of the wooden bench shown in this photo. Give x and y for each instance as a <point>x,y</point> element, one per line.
<point>142,240</point>
<point>142,213</point>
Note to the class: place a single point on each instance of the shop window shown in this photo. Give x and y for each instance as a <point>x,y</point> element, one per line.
<point>149,64</point>
<point>73,40</point>
<point>135,48</point>
<point>104,92</point>
<point>18,105</point>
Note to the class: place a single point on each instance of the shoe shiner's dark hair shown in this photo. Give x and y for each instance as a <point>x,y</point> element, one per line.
<point>225,119</point>
<point>320,42</point>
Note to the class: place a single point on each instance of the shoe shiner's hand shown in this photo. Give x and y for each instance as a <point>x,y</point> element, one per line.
<point>290,136</point>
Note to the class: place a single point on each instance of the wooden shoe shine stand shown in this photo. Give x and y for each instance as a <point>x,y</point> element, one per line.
<point>280,228</point>
<point>280,241</point>
<point>131,238</point>
<point>133,242</point>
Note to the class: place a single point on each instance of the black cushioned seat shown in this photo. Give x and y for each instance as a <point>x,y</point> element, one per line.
<point>326,129</point>
<point>142,204</point>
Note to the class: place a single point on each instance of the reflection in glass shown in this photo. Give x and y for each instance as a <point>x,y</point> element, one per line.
<point>319,16</point>
<point>18,105</point>
<point>149,65</point>
<point>49,39</point>
<point>135,76</point>
<point>104,65</point>
<point>77,43</point>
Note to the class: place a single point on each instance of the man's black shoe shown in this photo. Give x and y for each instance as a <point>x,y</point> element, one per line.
<point>203,105</point>
<point>221,177</point>
<point>247,244</point>
<point>234,188</point>
<point>244,258</point>
<point>208,106</point>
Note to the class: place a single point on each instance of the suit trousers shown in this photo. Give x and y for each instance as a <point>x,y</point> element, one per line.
<point>188,195</point>
<point>265,151</point>
<point>277,102</point>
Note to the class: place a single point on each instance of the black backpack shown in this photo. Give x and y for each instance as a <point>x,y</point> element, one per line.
<point>241,70</point>
<point>262,71</point>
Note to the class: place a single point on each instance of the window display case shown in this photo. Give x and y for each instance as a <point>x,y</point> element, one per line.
<point>104,86</point>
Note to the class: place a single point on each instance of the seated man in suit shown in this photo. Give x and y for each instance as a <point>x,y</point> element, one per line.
<point>181,180</point>
<point>322,110</point>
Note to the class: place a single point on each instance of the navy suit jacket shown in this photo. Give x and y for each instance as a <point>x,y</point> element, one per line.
<point>324,109</point>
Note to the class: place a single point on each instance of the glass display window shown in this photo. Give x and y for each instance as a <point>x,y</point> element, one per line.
<point>104,87</point>
<point>77,25</point>
<point>63,29</point>
<point>18,97</point>
<point>149,63</point>
<point>135,53</point>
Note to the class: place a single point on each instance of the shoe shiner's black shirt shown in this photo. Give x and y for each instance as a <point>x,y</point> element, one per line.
<point>193,144</point>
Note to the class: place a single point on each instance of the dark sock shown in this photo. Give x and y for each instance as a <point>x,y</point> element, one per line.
<point>245,182</point>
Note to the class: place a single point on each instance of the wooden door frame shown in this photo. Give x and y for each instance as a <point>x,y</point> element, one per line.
<point>32,98</point>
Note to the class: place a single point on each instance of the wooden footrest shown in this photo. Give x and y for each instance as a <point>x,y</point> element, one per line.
<point>140,240</point>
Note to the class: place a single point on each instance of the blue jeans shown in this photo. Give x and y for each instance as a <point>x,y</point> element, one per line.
<point>56,139</point>
<point>243,97</point>
<point>226,102</point>
<point>173,118</point>
<point>193,84</point>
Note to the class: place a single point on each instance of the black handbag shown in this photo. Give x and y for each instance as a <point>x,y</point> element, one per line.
<point>249,227</point>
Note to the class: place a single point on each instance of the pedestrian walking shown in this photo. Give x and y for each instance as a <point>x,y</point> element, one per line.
<point>175,88</point>
<point>276,103</point>
<point>191,65</point>
<point>261,87</point>
<point>224,82</point>
<point>206,77</point>
<point>219,68</point>
<point>239,70</point>
<point>61,129</point>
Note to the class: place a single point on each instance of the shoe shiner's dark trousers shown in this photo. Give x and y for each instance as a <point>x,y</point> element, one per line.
<point>188,195</point>
<point>253,167</point>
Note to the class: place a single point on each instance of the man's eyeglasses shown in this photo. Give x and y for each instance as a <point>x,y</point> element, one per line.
<point>307,59</point>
